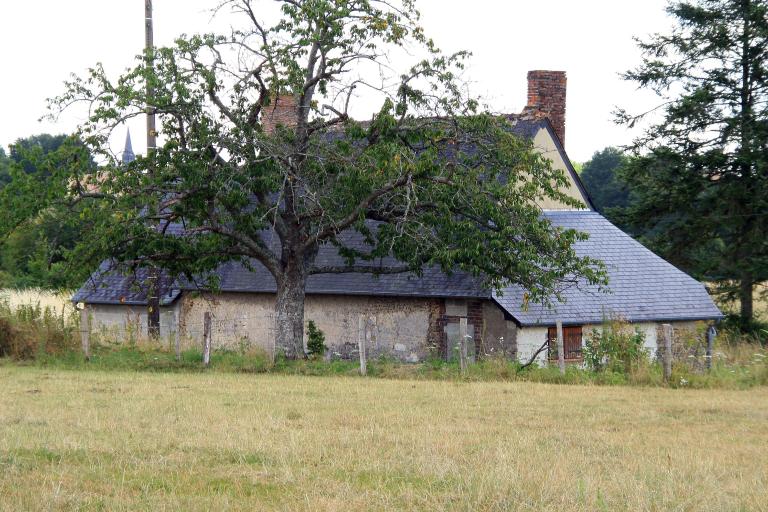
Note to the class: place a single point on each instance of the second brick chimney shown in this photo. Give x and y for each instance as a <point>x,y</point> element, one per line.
<point>546,96</point>
<point>282,111</point>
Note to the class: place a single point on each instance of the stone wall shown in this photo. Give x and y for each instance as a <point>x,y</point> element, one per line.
<point>125,323</point>
<point>282,111</point>
<point>499,335</point>
<point>407,329</point>
<point>402,328</point>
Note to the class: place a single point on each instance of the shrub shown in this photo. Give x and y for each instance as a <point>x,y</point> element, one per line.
<point>615,348</point>
<point>315,341</point>
<point>756,329</point>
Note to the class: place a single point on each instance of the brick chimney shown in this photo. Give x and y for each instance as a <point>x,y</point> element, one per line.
<point>546,97</point>
<point>282,111</point>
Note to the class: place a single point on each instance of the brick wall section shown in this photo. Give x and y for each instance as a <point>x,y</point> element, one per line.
<point>282,111</point>
<point>436,336</point>
<point>546,96</point>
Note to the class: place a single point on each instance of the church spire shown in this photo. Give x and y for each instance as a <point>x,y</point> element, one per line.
<point>128,155</point>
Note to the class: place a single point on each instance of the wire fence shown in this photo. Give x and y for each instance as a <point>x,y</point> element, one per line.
<point>408,338</point>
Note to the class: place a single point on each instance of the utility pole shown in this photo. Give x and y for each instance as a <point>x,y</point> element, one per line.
<point>149,47</point>
<point>153,292</point>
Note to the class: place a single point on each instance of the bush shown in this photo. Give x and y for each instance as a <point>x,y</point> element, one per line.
<point>615,348</point>
<point>315,341</point>
<point>754,329</point>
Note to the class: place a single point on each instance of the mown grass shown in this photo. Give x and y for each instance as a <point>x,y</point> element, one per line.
<point>95,440</point>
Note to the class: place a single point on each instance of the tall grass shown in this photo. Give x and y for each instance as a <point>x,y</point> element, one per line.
<point>56,300</point>
<point>30,331</point>
<point>737,367</point>
<point>42,327</point>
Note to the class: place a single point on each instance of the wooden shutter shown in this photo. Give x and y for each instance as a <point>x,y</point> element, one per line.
<point>572,339</point>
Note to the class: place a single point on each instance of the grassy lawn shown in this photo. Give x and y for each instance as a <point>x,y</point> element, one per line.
<point>92,440</point>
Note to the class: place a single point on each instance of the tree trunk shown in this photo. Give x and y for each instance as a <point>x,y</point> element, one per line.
<point>289,313</point>
<point>745,298</point>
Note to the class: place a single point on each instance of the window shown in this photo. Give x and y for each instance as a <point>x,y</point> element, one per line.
<point>572,338</point>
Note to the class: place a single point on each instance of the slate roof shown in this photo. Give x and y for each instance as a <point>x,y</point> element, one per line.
<point>526,127</point>
<point>642,286</point>
<point>108,286</point>
<point>112,287</point>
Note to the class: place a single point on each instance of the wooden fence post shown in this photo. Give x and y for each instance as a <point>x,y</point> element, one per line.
<point>207,338</point>
<point>463,345</point>
<point>668,334</point>
<point>362,335</point>
<point>85,333</point>
<point>711,334</point>
<point>560,347</point>
<point>173,338</point>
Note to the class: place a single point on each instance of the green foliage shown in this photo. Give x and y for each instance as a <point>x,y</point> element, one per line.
<point>315,341</point>
<point>5,168</point>
<point>604,185</point>
<point>701,172</point>
<point>24,150</point>
<point>578,167</point>
<point>39,229</point>
<point>614,348</point>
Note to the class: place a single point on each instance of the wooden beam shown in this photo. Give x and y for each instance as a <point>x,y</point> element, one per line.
<point>207,339</point>
<point>463,345</point>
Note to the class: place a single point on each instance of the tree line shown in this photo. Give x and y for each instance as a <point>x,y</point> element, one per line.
<point>36,242</point>
<point>697,176</point>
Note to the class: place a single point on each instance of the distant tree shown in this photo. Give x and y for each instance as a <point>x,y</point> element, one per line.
<point>5,168</point>
<point>402,181</point>
<point>36,233</point>
<point>600,177</point>
<point>701,176</point>
<point>25,148</point>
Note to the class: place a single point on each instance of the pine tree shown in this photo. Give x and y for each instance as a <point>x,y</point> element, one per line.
<point>701,175</point>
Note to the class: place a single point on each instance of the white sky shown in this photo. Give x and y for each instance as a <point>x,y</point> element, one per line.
<point>43,41</point>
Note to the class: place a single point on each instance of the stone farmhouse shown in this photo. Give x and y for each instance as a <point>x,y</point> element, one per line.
<point>411,318</point>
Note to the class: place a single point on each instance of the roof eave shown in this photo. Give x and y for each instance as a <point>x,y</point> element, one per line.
<point>596,321</point>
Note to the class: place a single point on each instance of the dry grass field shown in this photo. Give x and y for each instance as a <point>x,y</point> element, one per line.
<point>58,301</point>
<point>141,441</point>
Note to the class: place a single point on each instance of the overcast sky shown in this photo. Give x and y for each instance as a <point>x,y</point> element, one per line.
<point>43,41</point>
